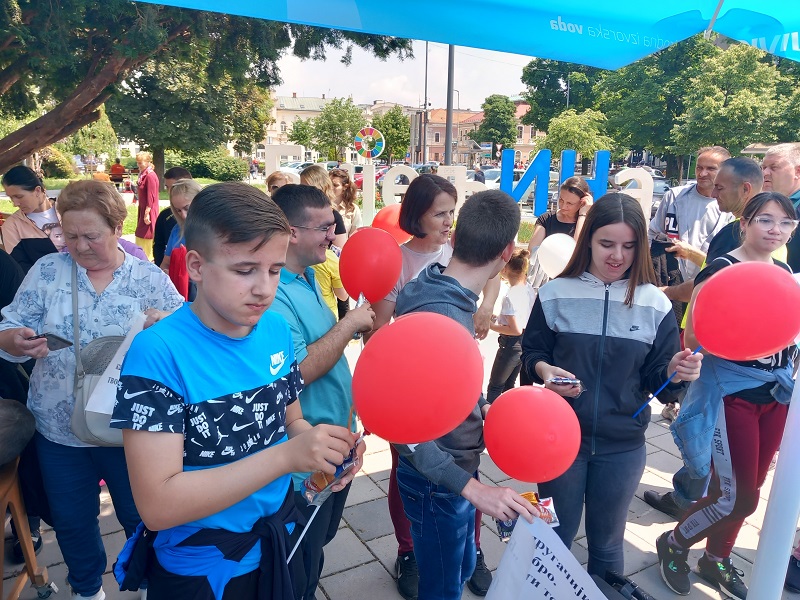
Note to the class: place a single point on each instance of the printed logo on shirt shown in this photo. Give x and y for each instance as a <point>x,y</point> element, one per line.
<point>276,362</point>
<point>217,430</point>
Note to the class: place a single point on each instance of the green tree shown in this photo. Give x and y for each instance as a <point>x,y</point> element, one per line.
<point>396,130</point>
<point>336,127</point>
<point>732,102</point>
<point>546,89</point>
<point>644,100</point>
<point>302,132</point>
<point>95,138</point>
<point>583,132</point>
<point>499,124</point>
<point>173,105</point>
<point>72,55</point>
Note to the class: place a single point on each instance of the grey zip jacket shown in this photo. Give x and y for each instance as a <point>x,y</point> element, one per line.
<point>452,459</point>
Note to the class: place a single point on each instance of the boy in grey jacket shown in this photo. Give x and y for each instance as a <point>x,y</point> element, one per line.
<point>437,479</point>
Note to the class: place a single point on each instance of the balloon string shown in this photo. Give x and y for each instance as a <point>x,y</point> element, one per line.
<point>661,389</point>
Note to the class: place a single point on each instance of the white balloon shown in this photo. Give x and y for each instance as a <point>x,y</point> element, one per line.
<point>554,253</point>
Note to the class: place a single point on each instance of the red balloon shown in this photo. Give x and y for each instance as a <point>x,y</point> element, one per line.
<point>727,308</point>
<point>370,264</point>
<point>388,219</point>
<point>532,434</point>
<point>417,379</point>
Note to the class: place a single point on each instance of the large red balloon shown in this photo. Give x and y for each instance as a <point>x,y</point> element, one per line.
<point>370,264</point>
<point>747,311</point>
<point>388,219</point>
<point>532,434</point>
<point>417,379</point>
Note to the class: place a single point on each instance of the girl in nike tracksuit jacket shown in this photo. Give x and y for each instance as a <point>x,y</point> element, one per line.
<point>604,322</point>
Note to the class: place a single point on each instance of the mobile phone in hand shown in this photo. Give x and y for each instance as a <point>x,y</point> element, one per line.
<point>564,381</point>
<point>54,342</point>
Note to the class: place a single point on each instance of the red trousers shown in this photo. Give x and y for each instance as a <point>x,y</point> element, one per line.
<point>745,440</point>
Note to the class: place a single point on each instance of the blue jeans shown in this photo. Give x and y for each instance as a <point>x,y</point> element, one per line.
<point>443,530</point>
<point>688,490</point>
<point>71,476</point>
<point>607,482</point>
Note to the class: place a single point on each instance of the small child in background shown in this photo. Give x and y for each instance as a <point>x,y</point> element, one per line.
<point>510,324</point>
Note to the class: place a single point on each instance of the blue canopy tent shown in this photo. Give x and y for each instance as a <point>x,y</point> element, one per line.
<point>606,35</point>
<point>600,34</point>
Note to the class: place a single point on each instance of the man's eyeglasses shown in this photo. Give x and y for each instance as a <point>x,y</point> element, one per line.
<point>326,229</point>
<point>767,223</point>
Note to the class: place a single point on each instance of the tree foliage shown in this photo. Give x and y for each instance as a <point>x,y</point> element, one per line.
<point>546,89</point>
<point>71,56</point>
<point>172,105</point>
<point>396,130</point>
<point>583,132</point>
<point>336,127</point>
<point>302,132</point>
<point>499,124</point>
<point>732,102</point>
<point>643,101</point>
<point>95,138</point>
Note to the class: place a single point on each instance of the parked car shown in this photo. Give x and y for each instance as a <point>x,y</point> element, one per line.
<point>660,187</point>
<point>358,178</point>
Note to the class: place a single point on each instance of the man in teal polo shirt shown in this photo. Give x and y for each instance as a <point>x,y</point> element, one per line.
<point>319,344</point>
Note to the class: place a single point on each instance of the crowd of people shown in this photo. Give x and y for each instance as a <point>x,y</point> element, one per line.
<point>228,275</point>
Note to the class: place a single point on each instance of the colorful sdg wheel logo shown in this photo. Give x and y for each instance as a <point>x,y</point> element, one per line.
<point>369,142</point>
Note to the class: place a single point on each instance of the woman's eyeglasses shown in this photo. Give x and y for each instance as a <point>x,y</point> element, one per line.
<point>767,223</point>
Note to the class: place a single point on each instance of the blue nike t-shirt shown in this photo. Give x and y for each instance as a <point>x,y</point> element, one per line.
<point>227,396</point>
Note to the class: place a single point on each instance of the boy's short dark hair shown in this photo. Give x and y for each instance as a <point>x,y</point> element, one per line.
<point>294,199</point>
<point>177,173</point>
<point>232,213</point>
<point>418,199</point>
<point>487,222</point>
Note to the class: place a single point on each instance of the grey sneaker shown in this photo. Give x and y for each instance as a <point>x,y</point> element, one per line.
<point>673,566</point>
<point>407,576</point>
<point>665,503</point>
<point>722,574</point>
<point>481,578</point>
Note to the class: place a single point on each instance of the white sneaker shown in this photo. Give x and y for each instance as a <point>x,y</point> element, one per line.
<point>100,595</point>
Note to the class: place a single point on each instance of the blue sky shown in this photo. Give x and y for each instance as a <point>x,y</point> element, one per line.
<point>478,73</point>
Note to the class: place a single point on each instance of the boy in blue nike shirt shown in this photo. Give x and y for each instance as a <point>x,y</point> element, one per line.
<point>212,428</point>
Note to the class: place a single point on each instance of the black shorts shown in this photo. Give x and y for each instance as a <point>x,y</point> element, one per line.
<point>163,585</point>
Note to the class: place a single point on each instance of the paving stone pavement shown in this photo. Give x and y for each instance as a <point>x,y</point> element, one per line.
<point>360,560</point>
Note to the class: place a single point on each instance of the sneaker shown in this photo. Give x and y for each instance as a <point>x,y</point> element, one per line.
<point>670,411</point>
<point>793,576</point>
<point>665,503</point>
<point>407,575</point>
<point>673,566</point>
<point>722,574</point>
<point>481,578</point>
<point>16,549</point>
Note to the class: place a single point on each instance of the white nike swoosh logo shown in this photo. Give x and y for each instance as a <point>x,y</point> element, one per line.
<point>236,426</point>
<point>117,421</point>
<point>128,396</point>
<point>219,417</point>
<point>274,370</point>
<point>216,401</point>
<point>249,399</point>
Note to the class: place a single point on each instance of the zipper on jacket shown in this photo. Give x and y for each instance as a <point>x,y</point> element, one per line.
<point>600,366</point>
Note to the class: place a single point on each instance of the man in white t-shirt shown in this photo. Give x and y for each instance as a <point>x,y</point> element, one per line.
<point>689,217</point>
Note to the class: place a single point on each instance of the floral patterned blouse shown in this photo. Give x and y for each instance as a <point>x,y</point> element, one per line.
<point>44,303</point>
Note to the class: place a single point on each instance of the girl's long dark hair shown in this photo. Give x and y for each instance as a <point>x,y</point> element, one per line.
<point>608,210</point>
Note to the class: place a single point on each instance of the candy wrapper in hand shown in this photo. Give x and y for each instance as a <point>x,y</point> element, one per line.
<point>543,509</point>
<point>317,487</point>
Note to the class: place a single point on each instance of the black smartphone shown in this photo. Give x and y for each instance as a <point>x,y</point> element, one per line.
<point>54,342</point>
<point>564,381</point>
